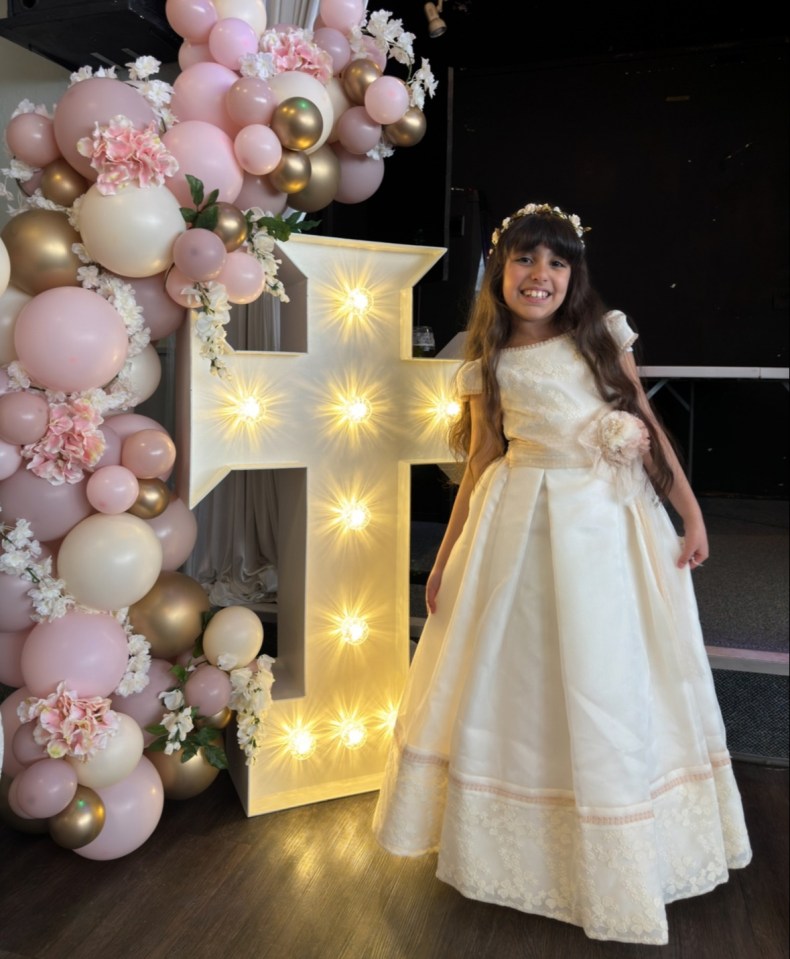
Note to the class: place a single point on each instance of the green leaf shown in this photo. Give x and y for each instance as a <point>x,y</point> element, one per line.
<point>180,673</point>
<point>158,745</point>
<point>157,729</point>
<point>207,218</point>
<point>211,199</point>
<point>195,188</point>
<point>188,214</point>
<point>189,750</point>
<point>216,756</point>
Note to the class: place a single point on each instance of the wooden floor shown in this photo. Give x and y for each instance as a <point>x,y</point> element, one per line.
<point>311,883</point>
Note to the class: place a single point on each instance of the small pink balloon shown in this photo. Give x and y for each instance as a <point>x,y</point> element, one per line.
<point>257,191</point>
<point>10,459</point>
<point>176,529</point>
<point>112,448</point>
<point>26,749</point>
<point>145,707</point>
<point>191,19</point>
<point>70,339</point>
<point>112,489</point>
<point>357,131</point>
<point>16,606</point>
<point>51,510</point>
<point>176,285</point>
<point>250,100</point>
<point>341,14</point>
<point>11,644</point>
<point>335,44</point>
<point>209,689</point>
<point>13,801</point>
<point>199,254</point>
<point>46,788</point>
<point>24,417</point>
<point>161,314</point>
<point>8,727</point>
<point>243,277</point>
<point>231,39</point>
<point>31,138</point>
<point>360,176</point>
<point>148,454</point>
<point>191,53</point>
<point>124,424</point>
<point>199,94</point>
<point>374,53</point>
<point>258,149</point>
<point>387,99</point>
<point>204,151</point>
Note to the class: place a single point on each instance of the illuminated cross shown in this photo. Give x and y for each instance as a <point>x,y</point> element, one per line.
<point>340,416</point>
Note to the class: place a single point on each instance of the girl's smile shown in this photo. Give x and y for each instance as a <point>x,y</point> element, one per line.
<point>534,286</point>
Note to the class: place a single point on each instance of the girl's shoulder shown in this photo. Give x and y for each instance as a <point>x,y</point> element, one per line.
<point>469,378</point>
<point>617,324</point>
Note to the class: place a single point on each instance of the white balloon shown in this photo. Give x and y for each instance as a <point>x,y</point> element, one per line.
<point>11,302</point>
<point>5,267</point>
<point>292,83</point>
<point>234,631</point>
<point>252,12</point>
<point>144,371</point>
<point>118,758</point>
<point>340,103</point>
<point>131,232</point>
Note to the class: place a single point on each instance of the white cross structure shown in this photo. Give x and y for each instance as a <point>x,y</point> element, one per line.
<point>340,415</point>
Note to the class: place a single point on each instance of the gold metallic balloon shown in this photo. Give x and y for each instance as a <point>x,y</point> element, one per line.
<point>292,173</point>
<point>152,499</point>
<point>407,131</point>
<point>218,721</point>
<point>183,780</point>
<point>231,226</point>
<point>39,247</point>
<point>80,822</point>
<point>10,818</point>
<point>61,183</point>
<point>298,123</point>
<point>324,182</point>
<point>170,615</point>
<point>357,77</point>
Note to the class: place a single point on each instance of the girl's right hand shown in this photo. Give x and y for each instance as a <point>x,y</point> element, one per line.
<point>432,588</point>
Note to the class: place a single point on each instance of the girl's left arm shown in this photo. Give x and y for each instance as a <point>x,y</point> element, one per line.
<point>695,538</point>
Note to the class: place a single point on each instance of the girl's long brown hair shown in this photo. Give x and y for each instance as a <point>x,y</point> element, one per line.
<point>581,314</point>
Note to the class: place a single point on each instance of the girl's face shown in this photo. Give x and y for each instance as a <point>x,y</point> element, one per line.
<point>534,286</point>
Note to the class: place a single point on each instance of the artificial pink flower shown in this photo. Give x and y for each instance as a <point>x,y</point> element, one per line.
<point>71,444</point>
<point>124,155</point>
<point>293,51</point>
<point>68,725</point>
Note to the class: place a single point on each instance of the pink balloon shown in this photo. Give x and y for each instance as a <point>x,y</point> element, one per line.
<point>191,53</point>
<point>243,277</point>
<point>387,99</point>
<point>335,44</point>
<point>11,644</point>
<point>10,459</point>
<point>257,191</point>
<point>357,131</point>
<point>29,187</point>
<point>191,19</point>
<point>250,100</point>
<point>160,314</point>
<point>31,138</point>
<point>374,53</point>
<point>133,808</point>
<point>231,39</point>
<point>24,417</point>
<point>148,453</point>
<point>10,724</point>
<point>208,688</point>
<point>258,149</point>
<point>50,510</point>
<point>199,94</point>
<point>205,152</point>
<point>112,448</point>
<point>87,651</point>
<point>112,489</point>
<point>46,788</point>
<point>176,282</point>
<point>93,101</point>
<point>26,749</point>
<point>70,339</point>
<point>360,176</point>
<point>124,424</point>
<point>199,254</point>
<point>176,529</point>
<point>16,607</point>
<point>145,707</point>
<point>341,14</point>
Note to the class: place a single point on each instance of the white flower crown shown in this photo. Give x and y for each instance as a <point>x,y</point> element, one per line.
<point>531,208</point>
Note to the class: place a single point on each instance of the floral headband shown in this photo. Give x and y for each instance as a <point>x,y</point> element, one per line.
<point>531,208</point>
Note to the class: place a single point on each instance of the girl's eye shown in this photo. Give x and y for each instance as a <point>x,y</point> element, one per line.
<point>559,263</point>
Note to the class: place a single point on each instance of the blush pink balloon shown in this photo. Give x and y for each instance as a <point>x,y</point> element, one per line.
<point>24,417</point>
<point>360,176</point>
<point>93,101</point>
<point>10,459</point>
<point>10,723</point>
<point>250,100</point>
<point>112,448</point>
<point>11,656</point>
<point>199,254</point>
<point>243,277</point>
<point>176,529</point>
<point>133,808</point>
<point>231,39</point>
<point>145,707</point>
<point>191,53</point>
<point>112,489</point>
<point>160,314</point>
<point>70,339</point>
<point>50,510</point>
<point>29,187</point>
<point>258,149</point>
<point>124,424</point>
<point>31,138</point>
<point>335,44</point>
<point>191,19</point>
<point>204,151</point>
<point>148,453</point>
<point>387,99</point>
<point>257,191</point>
<point>372,52</point>
<point>208,688</point>
<point>357,131</point>
<point>341,14</point>
<point>46,788</point>
<point>87,651</point>
<point>16,607</point>
<point>176,283</point>
<point>26,749</point>
<point>199,94</point>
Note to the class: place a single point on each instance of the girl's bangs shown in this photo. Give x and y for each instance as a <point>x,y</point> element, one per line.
<point>553,232</point>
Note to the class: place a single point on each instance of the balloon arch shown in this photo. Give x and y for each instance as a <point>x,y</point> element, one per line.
<point>140,200</point>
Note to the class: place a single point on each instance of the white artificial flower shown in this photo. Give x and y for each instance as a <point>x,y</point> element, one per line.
<point>143,67</point>
<point>172,699</point>
<point>227,661</point>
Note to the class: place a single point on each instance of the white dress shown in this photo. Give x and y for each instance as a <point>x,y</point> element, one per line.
<point>559,741</point>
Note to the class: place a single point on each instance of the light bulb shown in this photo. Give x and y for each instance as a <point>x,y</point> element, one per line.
<point>301,742</point>
<point>249,409</point>
<point>352,733</point>
<point>355,516</point>
<point>356,409</point>
<point>353,630</point>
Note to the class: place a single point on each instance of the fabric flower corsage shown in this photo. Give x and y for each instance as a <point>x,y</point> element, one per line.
<point>618,441</point>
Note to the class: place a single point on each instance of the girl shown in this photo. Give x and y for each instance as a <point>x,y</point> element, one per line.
<point>559,741</point>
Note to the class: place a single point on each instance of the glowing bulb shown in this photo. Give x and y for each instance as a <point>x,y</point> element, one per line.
<point>353,630</point>
<point>359,302</point>
<point>352,733</point>
<point>301,742</point>
<point>355,516</point>
<point>249,409</point>
<point>451,409</point>
<point>356,409</point>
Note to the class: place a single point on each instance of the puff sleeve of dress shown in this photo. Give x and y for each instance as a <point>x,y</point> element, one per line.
<point>618,326</point>
<point>469,379</point>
